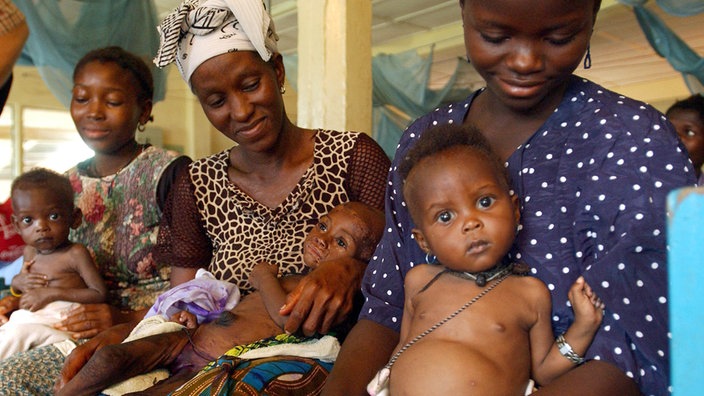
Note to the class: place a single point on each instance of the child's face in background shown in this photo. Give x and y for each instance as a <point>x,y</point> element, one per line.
<point>340,233</point>
<point>105,106</point>
<point>463,211</point>
<point>690,128</point>
<point>41,219</point>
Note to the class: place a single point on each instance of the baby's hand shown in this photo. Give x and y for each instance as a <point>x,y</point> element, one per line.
<point>185,318</point>
<point>588,307</point>
<point>36,299</point>
<point>27,280</point>
<point>27,266</point>
<point>262,270</point>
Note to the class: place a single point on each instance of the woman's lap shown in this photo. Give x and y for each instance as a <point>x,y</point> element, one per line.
<point>276,376</point>
<point>31,373</point>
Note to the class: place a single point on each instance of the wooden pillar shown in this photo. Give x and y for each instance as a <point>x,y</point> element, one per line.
<point>334,64</point>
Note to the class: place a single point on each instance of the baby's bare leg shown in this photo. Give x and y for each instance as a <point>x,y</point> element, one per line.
<point>118,362</point>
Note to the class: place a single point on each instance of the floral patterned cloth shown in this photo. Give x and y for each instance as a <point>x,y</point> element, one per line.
<point>120,225</point>
<point>274,376</point>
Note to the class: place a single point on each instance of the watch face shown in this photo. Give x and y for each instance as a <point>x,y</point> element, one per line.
<point>564,349</point>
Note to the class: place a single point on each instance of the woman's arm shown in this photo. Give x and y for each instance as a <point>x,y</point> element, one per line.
<point>82,354</point>
<point>367,172</point>
<point>182,241</point>
<point>88,320</point>
<point>366,349</point>
<point>12,41</point>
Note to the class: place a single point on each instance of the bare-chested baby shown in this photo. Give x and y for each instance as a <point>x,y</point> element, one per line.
<point>470,326</point>
<point>349,230</point>
<point>56,273</point>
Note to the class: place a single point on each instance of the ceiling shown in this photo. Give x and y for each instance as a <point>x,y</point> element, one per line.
<point>621,56</point>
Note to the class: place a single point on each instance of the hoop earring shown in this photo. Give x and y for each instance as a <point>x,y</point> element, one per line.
<point>141,127</point>
<point>282,89</point>
<point>430,258</point>
<point>588,57</point>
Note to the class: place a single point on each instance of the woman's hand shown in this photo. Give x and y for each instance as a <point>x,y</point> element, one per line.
<point>81,354</point>
<point>324,297</point>
<point>87,320</point>
<point>7,305</point>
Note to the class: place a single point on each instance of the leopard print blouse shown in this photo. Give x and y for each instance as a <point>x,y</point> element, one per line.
<point>211,223</point>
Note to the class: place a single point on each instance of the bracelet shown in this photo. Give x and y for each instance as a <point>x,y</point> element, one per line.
<point>14,293</point>
<point>566,350</point>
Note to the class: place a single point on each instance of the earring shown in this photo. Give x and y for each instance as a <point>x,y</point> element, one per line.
<point>430,258</point>
<point>588,57</point>
<point>282,89</point>
<point>141,127</point>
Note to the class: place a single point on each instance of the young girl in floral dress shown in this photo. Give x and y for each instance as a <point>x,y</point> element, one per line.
<point>120,192</point>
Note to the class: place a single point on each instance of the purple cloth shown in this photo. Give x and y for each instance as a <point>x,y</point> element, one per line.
<point>592,182</point>
<point>203,296</point>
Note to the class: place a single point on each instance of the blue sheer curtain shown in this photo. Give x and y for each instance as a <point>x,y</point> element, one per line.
<point>666,43</point>
<point>401,97</point>
<point>400,92</point>
<point>61,32</point>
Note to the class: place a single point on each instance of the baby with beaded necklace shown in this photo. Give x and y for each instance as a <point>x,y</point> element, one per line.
<point>466,217</point>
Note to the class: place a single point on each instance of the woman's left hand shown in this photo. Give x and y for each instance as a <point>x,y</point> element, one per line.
<point>7,305</point>
<point>324,297</point>
<point>87,320</point>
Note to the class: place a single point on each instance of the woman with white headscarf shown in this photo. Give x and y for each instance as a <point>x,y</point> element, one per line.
<point>257,200</point>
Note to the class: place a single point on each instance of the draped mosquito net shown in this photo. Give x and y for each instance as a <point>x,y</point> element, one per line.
<point>61,32</point>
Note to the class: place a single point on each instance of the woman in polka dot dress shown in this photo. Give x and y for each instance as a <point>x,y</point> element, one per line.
<point>592,170</point>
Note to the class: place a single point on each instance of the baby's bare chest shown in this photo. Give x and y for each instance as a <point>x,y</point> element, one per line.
<point>59,273</point>
<point>497,314</point>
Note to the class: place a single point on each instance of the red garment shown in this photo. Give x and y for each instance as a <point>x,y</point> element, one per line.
<point>11,244</point>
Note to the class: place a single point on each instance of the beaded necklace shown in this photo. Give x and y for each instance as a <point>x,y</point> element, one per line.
<point>481,278</point>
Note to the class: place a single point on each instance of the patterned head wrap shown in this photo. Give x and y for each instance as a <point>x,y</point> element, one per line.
<point>200,29</point>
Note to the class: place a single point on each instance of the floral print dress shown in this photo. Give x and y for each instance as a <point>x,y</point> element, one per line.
<point>120,225</point>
